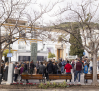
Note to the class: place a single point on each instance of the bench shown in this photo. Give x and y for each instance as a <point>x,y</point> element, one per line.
<point>89,76</point>
<point>33,76</point>
<point>60,76</point>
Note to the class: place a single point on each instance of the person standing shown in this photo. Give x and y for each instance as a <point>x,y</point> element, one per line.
<point>98,65</point>
<point>37,67</point>
<point>68,68</point>
<point>50,67</point>
<point>86,70</point>
<point>55,68</point>
<point>59,67</point>
<point>6,71</point>
<point>2,69</point>
<point>41,68</point>
<point>25,67</point>
<point>62,68</point>
<point>32,66</point>
<point>91,66</point>
<point>16,72</point>
<point>78,71</point>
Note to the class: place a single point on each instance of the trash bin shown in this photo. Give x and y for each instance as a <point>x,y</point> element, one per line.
<point>0,78</point>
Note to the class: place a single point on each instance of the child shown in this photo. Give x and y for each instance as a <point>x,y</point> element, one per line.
<point>86,69</point>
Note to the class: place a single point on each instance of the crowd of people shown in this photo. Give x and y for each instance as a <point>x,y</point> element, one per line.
<point>51,67</point>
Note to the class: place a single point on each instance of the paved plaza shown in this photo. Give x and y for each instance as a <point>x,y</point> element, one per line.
<point>55,89</point>
<point>59,81</point>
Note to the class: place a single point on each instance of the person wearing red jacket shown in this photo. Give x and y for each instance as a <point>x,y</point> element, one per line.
<point>68,68</point>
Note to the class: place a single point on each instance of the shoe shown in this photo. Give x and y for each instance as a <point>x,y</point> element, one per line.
<point>79,83</point>
<point>27,81</point>
<point>86,81</point>
<point>74,83</point>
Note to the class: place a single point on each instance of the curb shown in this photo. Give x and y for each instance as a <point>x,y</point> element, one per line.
<point>45,90</point>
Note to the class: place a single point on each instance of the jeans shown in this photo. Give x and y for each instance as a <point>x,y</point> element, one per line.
<point>62,69</point>
<point>68,72</point>
<point>31,71</point>
<point>86,79</point>
<point>75,76</point>
<point>91,69</point>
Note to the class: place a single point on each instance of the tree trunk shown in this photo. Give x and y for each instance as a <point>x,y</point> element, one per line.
<point>0,58</point>
<point>0,50</point>
<point>95,82</point>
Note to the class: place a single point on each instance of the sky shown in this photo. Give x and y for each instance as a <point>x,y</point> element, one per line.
<point>50,16</point>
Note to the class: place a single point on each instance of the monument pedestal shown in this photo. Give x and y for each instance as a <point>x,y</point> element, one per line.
<point>10,73</point>
<point>34,52</point>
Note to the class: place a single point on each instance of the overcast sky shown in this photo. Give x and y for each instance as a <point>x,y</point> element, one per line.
<point>49,16</point>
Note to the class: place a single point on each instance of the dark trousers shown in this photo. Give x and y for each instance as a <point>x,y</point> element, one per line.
<point>68,73</point>
<point>48,76</point>
<point>31,71</point>
<point>27,81</point>
<point>86,79</point>
<point>75,76</point>
<point>16,76</point>
<point>37,71</point>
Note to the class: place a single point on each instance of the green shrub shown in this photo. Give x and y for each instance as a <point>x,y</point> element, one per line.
<point>53,85</point>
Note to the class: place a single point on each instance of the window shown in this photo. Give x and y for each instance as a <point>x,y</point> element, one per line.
<point>24,58</point>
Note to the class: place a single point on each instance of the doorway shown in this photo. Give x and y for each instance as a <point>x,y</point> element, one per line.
<point>59,53</point>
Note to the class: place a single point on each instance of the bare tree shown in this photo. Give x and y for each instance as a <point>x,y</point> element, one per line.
<point>10,9</point>
<point>85,18</point>
<point>18,20</point>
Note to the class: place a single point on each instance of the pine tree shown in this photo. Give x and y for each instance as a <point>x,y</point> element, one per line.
<point>75,48</point>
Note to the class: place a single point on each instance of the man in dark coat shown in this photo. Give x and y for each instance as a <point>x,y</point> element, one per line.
<point>32,66</point>
<point>50,67</point>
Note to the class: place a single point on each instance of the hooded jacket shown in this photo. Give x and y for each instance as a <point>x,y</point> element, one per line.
<point>68,67</point>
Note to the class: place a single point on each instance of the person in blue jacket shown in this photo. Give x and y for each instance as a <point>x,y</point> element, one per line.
<point>86,69</point>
